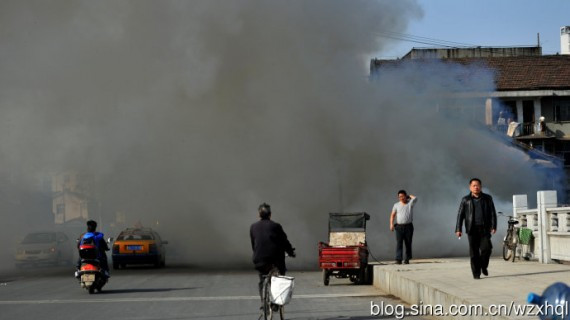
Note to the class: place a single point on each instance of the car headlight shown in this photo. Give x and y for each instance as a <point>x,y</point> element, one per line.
<point>50,250</point>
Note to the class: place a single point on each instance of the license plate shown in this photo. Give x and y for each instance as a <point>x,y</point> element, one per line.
<point>134,248</point>
<point>88,277</point>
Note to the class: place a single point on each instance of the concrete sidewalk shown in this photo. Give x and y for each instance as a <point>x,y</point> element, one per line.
<point>449,281</point>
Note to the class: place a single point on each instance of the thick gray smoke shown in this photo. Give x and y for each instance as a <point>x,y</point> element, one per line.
<point>190,114</point>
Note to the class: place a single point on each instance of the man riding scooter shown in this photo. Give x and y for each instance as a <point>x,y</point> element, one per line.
<point>97,239</point>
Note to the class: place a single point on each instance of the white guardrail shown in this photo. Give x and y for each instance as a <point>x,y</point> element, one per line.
<point>550,226</point>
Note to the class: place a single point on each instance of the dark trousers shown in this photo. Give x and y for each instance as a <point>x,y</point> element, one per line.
<point>404,234</point>
<point>264,271</point>
<point>480,249</point>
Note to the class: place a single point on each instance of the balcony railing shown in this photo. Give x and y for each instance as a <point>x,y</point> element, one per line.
<point>550,227</point>
<point>528,128</point>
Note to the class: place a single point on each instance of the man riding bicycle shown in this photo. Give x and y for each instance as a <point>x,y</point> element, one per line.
<point>269,243</point>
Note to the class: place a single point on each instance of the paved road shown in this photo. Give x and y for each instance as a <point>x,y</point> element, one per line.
<point>176,293</point>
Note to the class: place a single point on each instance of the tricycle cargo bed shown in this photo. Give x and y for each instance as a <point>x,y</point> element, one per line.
<point>342,257</point>
<point>346,238</point>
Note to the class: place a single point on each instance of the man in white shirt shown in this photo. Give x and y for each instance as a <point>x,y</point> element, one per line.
<point>401,221</point>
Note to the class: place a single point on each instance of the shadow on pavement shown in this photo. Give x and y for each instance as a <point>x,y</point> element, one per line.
<point>528,274</point>
<point>113,291</point>
<point>356,318</point>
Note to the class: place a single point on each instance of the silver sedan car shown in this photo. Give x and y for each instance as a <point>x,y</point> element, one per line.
<point>47,247</point>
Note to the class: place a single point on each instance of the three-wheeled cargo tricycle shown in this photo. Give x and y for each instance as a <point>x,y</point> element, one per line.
<point>346,253</point>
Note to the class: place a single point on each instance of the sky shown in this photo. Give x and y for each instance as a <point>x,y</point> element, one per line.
<point>486,23</point>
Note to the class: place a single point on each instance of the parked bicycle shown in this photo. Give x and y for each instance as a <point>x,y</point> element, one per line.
<point>511,239</point>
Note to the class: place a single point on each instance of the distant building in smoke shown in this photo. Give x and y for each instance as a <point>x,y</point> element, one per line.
<point>531,100</point>
<point>472,52</point>
<point>71,200</point>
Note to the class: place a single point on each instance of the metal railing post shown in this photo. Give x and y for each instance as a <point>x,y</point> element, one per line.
<point>545,199</point>
<point>519,203</point>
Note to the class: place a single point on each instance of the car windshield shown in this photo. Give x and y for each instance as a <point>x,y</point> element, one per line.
<point>44,237</point>
<point>135,236</point>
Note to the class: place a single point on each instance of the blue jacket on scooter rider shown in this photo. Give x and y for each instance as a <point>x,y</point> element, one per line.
<point>96,238</point>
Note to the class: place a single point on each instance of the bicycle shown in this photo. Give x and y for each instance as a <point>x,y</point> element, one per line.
<point>511,239</point>
<point>269,308</point>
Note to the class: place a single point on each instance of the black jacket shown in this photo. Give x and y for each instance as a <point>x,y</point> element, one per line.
<point>269,243</point>
<point>466,212</point>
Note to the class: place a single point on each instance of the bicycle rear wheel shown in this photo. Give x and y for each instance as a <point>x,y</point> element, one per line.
<point>267,312</point>
<point>514,244</point>
<point>267,304</point>
<point>507,252</point>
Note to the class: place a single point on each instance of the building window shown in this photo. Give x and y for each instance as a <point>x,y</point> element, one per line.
<point>528,111</point>
<point>562,111</point>
<point>60,209</point>
<point>509,109</point>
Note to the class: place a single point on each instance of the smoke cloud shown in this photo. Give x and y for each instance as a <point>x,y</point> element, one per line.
<point>189,114</point>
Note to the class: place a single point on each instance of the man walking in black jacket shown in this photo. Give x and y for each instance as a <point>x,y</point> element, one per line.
<point>269,243</point>
<point>478,211</point>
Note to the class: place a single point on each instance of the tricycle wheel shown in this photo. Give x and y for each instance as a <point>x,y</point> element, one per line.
<point>362,278</point>
<point>326,277</point>
<point>369,274</point>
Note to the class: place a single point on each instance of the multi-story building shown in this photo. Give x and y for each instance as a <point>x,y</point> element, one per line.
<point>531,97</point>
<point>71,197</point>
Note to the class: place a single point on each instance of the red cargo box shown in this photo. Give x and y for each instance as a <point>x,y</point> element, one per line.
<point>348,257</point>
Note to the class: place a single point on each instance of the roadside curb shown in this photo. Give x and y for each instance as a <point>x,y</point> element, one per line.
<point>395,282</point>
<point>427,284</point>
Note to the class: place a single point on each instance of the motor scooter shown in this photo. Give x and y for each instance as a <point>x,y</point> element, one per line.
<point>90,274</point>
